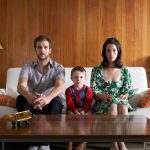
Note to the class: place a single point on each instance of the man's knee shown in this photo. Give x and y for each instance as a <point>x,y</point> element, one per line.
<point>57,100</point>
<point>21,103</point>
<point>20,99</point>
<point>56,106</point>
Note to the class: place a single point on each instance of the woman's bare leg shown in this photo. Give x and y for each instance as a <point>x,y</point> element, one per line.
<point>113,109</point>
<point>69,146</point>
<point>81,146</point>
<point>122,146</point>
<point>114,146</point>
<point>123,110</point>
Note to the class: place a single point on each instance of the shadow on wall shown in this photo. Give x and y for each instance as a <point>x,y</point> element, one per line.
<point>144,62</point>
<point>146,65</point>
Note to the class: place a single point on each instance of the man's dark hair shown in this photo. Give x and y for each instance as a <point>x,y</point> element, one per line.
<point>42,38</point>
<point>118,62</point>
<point>77,68</point>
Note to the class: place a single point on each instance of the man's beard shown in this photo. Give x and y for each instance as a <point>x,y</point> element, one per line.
<point>42,58</point>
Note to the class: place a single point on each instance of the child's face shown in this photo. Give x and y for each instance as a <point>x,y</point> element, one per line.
<point>78,78</point>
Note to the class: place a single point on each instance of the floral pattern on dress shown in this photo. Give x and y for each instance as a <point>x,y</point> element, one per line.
<point>116,88</point>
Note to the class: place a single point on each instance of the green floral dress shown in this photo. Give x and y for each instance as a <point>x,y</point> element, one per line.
<point>100,85</point>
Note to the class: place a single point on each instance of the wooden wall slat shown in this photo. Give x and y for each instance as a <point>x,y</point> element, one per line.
<point>128,34</point>
<point>93,33</point>
<point>77,28</point>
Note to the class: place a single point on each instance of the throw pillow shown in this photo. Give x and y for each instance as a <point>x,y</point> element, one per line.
<point>145,100</point>
<point>6,100</point>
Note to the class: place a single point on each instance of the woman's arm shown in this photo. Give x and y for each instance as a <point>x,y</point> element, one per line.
<point>97,85</point>
<point>127,88</point>
<point>104,97</point>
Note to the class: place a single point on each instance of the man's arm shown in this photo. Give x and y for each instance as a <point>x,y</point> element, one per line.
<point>57,89</point>
<point>44,100</point>
<point>23,90</point>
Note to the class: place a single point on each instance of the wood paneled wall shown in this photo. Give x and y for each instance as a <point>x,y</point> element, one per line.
<point>77,28</point>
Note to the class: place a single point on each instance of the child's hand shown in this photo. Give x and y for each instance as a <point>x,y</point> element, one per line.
<point>77,113</point>
<point>82,112</point>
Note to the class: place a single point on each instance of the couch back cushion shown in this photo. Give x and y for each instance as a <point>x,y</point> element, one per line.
<point>138,76</point>
<point>12,81</point>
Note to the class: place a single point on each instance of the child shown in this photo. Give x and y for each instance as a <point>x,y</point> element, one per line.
<point>78,97</point>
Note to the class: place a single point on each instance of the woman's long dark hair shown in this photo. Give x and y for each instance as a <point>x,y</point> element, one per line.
<point>118,63</point>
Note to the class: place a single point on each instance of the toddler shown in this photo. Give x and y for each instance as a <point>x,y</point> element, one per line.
<point>78,98</point>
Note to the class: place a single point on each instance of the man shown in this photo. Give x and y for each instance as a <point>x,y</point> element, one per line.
<point>40,83</point>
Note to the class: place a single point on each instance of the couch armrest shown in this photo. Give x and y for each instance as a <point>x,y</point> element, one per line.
<point>2,91</point>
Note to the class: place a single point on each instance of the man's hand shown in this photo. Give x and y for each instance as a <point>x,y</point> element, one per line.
<point>31,97</point>
<point>40,101</point>
<point>23,90</point>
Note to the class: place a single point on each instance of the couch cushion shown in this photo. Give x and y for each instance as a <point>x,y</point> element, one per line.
<point>137,74</point>
<point>6,110</point>
<point>12,81</point>
<point>138,77</point>
<point>6,100</point>
<point>141,111</point>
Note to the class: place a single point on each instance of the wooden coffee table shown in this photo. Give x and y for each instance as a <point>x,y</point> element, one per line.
<point>90,128</point>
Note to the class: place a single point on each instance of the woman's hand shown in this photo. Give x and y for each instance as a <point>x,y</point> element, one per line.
<point>105,97</point>
<point>110,97</point>
<point>124,96</point>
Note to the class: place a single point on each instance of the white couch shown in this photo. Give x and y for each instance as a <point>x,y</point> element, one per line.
<point>138,76</point>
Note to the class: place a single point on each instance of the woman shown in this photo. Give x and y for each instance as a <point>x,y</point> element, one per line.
<point>111,85</point>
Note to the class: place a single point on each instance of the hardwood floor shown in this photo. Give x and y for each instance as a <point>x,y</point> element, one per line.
<point>90,146</point>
